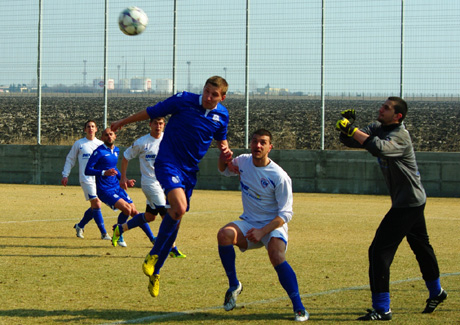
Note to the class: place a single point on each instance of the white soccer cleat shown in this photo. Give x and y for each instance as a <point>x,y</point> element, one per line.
<point>231,295</point>
<point>301,316</point>
<point>105,237</point>
<point>122,243</point>
<point>79,231</point>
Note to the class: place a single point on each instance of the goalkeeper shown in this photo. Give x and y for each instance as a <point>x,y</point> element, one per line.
<point>389,141</point>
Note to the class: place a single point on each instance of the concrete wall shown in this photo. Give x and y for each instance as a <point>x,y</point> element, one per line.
<point>355,172</point>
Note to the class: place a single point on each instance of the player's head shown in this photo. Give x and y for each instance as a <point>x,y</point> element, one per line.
<point>108,137</point>
<point>90,128</point>
<point>400,106</point>
<point>157,125</point>
<point>261,143</point>
<point>214,91</point>
<point>392,111</point>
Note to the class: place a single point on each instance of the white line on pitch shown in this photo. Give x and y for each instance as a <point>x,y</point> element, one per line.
<point>112,217</point>
<point>328,292</point>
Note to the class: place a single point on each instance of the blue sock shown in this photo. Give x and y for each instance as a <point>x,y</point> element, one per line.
<point>86,218</point>
<point>122,218</point>
<point>136,221</point>
<point>227,257</point>
<point>381,302</point>
<point>288,280</point>
<point>97,216</point>
<point>434,287</point>
<point>167,227</point>
<point>146,228</point>
<point>163,255</point>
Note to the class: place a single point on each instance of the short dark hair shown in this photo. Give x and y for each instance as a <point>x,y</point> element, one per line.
<point>263,132</point>
<point>400,106</point>
<point>157,118</point>
<point>89,121</point>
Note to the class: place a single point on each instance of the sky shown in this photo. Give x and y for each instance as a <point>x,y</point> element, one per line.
<point>362,44</point>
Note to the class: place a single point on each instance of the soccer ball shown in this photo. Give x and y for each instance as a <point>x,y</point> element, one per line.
<point>132,21</point>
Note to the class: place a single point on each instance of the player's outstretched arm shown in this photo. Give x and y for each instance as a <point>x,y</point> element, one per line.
<point>124,178</point>
<point>139,116</point>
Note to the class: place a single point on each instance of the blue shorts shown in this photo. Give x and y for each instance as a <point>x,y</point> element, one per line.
<point>171,177</point>
<point>111,197</point>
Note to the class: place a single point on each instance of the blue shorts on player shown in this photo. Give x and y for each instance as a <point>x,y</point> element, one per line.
<point>171,177</point>
<point>112,196</point>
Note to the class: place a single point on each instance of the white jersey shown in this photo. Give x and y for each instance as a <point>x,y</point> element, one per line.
<point>266,191</point>
<point>81,150</point>
<point>146,148</point>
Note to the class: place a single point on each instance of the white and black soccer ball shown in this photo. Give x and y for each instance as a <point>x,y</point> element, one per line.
<point>132,21</point>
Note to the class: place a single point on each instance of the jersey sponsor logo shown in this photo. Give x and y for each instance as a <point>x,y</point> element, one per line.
<point>216,118</point>
<point>86,155</point>
<point>249,192</point>
<point>153,156</point>
<point>175,179</point>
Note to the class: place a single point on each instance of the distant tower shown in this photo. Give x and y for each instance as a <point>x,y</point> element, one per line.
<point>189,87</point>
<point>143,72</point>
<point>84,73</point>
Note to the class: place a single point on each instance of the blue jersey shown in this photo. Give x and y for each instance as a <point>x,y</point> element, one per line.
<point>190,129</point>
<point>102,159</point>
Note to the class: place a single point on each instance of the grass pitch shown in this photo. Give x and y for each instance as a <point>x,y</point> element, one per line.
<point>49,276</point>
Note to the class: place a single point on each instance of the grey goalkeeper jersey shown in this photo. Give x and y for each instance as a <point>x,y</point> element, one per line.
<point>393,148</point>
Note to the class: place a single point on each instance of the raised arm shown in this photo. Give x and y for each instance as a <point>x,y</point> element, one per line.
<point>139,116</point>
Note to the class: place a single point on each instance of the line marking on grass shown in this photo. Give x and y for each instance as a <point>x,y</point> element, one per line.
<point>109,217</point>
<point>327,292</point>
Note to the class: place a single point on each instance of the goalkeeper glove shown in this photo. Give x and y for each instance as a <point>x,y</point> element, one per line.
<point>349,114</point>
<point>345,127</point>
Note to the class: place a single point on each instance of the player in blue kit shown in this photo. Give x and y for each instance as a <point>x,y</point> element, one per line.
<point>195,120</point>
<point>103,165</point>
<point>81,151</point>
<point>267,208</point>
<point>146,148</point>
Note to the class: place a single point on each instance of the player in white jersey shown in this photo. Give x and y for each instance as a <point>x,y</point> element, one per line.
<point>146,148</point>
<point>267,208</point>
<point>81,151</point>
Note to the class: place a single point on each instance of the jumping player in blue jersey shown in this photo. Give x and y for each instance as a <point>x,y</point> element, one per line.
<point>81,151</point>
<point>103,165</point>
<point>146,148</point>
<point>195,120</point>
<point>267,208</point>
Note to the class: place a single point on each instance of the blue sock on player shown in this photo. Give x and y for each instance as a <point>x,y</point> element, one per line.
<point>288,280</point>
<point>87,216</point>
<point>381,302</point>
<point>97,216</point>
<point>167,227</point>
<point>122,218</point>
<point>145,227</point>
<point>136,221</point>
<point>167,231</point>
<point>434,287</point>
<point>165,251</point>
<point>227,257</point>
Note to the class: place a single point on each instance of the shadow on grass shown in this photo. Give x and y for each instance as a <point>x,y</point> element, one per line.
<point>140,317</point>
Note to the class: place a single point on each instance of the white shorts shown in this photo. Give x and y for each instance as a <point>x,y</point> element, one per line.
<point>155,195</point>
<point>281,232</point>
<point>89,190</point>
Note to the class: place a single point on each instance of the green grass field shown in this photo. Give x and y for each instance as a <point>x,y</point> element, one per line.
<point>49,276</point>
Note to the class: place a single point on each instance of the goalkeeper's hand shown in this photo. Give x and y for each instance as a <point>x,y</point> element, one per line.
<point>349,114</point>
<point>345,127</point>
